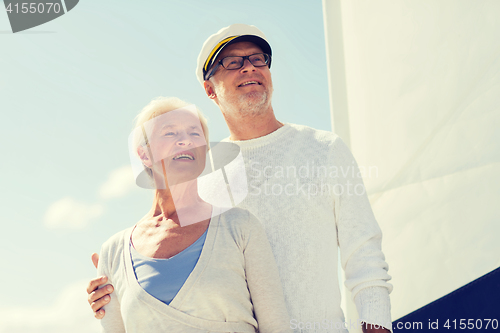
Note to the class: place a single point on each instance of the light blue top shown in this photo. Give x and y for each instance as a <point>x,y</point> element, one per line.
<point>163,278</point>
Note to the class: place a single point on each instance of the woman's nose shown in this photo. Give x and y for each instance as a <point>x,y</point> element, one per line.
<point>184,140</point>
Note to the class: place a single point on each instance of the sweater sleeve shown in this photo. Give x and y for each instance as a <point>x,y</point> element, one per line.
<point>264,282</point>
<point>360,242</point>
<point>112,321</point>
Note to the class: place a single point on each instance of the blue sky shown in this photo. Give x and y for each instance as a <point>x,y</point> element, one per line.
<point>69,91</point>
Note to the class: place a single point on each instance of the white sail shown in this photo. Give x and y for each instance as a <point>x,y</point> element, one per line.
<point>422,82</point>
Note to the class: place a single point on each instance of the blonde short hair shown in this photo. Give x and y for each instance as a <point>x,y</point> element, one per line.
<point>162,105</point>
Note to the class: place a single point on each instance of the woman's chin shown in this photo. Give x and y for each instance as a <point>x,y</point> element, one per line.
<point>183,178</point>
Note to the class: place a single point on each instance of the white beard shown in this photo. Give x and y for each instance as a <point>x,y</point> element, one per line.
<point>251,104</point>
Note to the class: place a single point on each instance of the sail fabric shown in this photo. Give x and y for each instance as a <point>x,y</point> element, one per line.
<point>423,102</point>
<point>473,307</point>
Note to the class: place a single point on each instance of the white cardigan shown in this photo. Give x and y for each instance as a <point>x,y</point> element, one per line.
<point>235,277</point>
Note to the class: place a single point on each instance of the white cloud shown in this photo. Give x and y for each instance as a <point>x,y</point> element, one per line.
<point>120,182</point>
<point>71,214</point>
<point>69,313</point>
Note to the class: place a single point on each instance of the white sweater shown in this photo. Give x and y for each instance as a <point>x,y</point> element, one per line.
<point>295,177</point>
<point>235,278</point>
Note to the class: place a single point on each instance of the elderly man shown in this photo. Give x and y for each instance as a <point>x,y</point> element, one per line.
<point>305,187</point>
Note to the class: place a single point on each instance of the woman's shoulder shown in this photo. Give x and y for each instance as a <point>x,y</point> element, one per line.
<point>112,253</point>
<point>115,242</point>
<point>239,219</point>
<point>242,227</point>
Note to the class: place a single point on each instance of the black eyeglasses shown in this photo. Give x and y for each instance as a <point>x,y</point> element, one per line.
<point>257,60</point>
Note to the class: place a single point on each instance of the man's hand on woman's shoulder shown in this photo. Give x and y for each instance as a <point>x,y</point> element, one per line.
<point>98,297</point>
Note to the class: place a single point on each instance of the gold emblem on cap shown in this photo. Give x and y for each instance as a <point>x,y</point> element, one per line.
<point>216,48</point>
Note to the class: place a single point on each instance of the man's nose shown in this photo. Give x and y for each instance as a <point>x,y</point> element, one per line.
<point>247,66</point>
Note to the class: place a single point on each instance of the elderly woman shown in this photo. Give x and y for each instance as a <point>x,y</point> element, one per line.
<point>188,266</point>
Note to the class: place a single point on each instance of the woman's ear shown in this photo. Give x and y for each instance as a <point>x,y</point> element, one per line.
<point>209,89</point>
<point>142,151</point>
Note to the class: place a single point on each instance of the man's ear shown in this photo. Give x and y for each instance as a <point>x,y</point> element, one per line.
<point>209,89</point>
<point>142,151</point>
